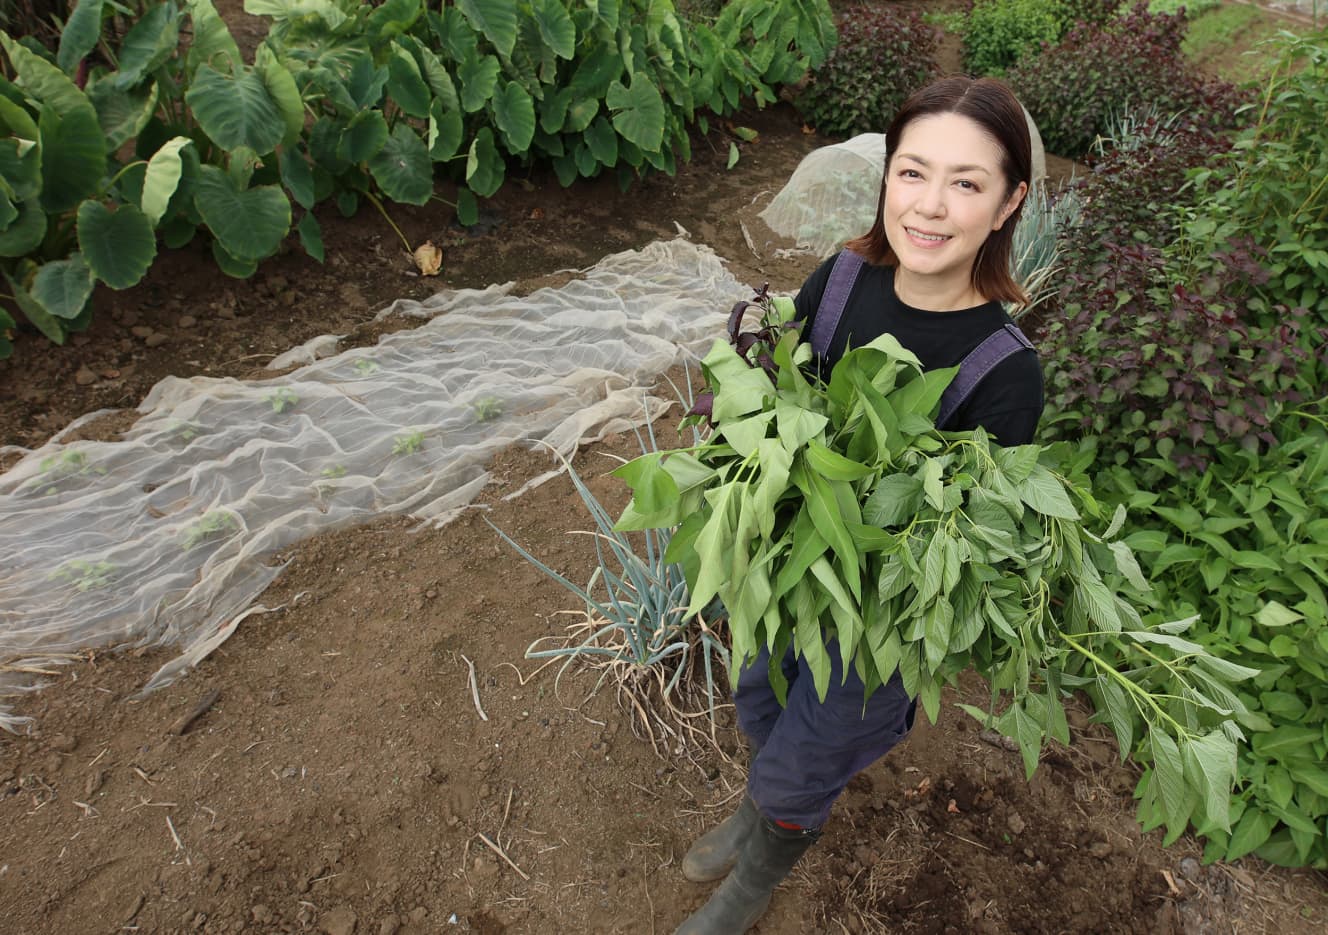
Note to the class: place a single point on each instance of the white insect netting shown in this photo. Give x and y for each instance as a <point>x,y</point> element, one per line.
<point>831,197</point>
<point>165,537</point>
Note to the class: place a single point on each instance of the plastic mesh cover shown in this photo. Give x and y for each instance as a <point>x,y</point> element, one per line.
<point>831,197</point>
<point>160,538</point>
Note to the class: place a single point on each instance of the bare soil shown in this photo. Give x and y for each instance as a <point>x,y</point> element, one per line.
<point>348,778</point>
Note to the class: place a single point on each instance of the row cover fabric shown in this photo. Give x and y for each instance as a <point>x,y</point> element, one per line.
<point>165,537</point>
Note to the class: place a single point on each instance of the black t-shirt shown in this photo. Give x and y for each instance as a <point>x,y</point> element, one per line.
<point>1008,401</point>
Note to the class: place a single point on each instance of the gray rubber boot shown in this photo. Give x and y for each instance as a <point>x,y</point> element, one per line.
<point>715,852</point>
<point>766,858</point>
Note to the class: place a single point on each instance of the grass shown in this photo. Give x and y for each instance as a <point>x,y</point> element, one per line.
<point>1222,41</point>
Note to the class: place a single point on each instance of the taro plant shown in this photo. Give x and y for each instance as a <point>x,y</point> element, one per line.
<point>102,150</point>
<point>121,142</point>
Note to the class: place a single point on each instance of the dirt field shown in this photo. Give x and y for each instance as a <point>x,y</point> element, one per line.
<point>347,779</point>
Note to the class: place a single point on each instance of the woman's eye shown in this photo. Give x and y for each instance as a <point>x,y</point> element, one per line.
<point>967,185</point>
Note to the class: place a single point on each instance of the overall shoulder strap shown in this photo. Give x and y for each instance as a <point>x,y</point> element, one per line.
<point>980,361</point>
<point>834,299</point>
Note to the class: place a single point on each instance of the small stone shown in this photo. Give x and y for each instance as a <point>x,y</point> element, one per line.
<point>85,377</point>
<point>111,374</point>
<point>260,914</point>
<point>129,318</point>
<point>187,321</point>
<point>156,339</point>
<point>389,925</point>
<point>1015,823</point>
<point>1189,869</point>
<point>94,783</point>
<point>340,921</point>
<point>141,331</point>
<point>64,743</point>
<point>1100,849</point>
<point>417,915</point>
<point>431,593</point>
<point>226,313</point>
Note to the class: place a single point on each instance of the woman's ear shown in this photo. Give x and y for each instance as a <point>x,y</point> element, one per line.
<point>1010,205</point>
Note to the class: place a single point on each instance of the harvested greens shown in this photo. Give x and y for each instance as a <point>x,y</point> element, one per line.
<point>837,511</point>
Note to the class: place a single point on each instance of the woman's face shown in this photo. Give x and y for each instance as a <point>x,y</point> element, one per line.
<point>944,195</point>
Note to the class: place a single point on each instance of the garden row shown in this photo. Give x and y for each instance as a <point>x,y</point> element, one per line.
<point>135,132</point>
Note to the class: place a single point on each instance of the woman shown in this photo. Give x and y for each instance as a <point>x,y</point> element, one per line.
<point>937,268</point>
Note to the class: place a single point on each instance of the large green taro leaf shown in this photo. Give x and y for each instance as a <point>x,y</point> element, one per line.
<point>249,224</point>
<point>119,245</point>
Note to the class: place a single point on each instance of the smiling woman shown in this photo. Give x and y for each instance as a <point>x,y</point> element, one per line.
<point>935,273</point>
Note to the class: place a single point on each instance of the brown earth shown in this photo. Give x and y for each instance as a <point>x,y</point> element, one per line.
<point>349,777</point>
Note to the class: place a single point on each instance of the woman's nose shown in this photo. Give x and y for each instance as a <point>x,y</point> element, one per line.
<point>931,201</point>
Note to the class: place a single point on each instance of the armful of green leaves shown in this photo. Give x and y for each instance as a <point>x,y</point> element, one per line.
<point>835,517</point>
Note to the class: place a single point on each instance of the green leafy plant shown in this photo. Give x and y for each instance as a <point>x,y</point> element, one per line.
<point>1270,186</point>
<point>344,101</point>
<point>283,399</point>
<point>820,512</point>
<point>214,524</point>
<point>488,408</point>
<point>408,443</point>
<point>883,55</point>
<point>85,575</point>
<point>1072,88</point>
<point>1242,545</point>
<point>998,34</point>
<point>73,214</point>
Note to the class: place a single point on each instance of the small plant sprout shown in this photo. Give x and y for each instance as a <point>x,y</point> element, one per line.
<point>85,575</point>
<point>364,366</point>
<point>186,431</point>
<point>488,408</point>
<point>408,444</point>
<point>283,399</point>
<point>333,471</point>
<point>213,524</point>
<point>55,469</point>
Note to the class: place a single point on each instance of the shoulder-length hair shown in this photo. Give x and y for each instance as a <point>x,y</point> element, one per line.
<point>993,107</point>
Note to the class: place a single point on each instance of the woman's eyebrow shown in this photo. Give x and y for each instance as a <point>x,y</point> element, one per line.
<point>927,165</point>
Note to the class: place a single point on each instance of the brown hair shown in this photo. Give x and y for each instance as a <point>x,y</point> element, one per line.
<point>992,106</point>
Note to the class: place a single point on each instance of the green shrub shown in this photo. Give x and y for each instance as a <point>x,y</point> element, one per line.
<point>1134,60</point>
<point>883,55</point>
<point>1270,187</point>
<point>997,34</point>
<point>1242,545</point>
<point>1191,377</point>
